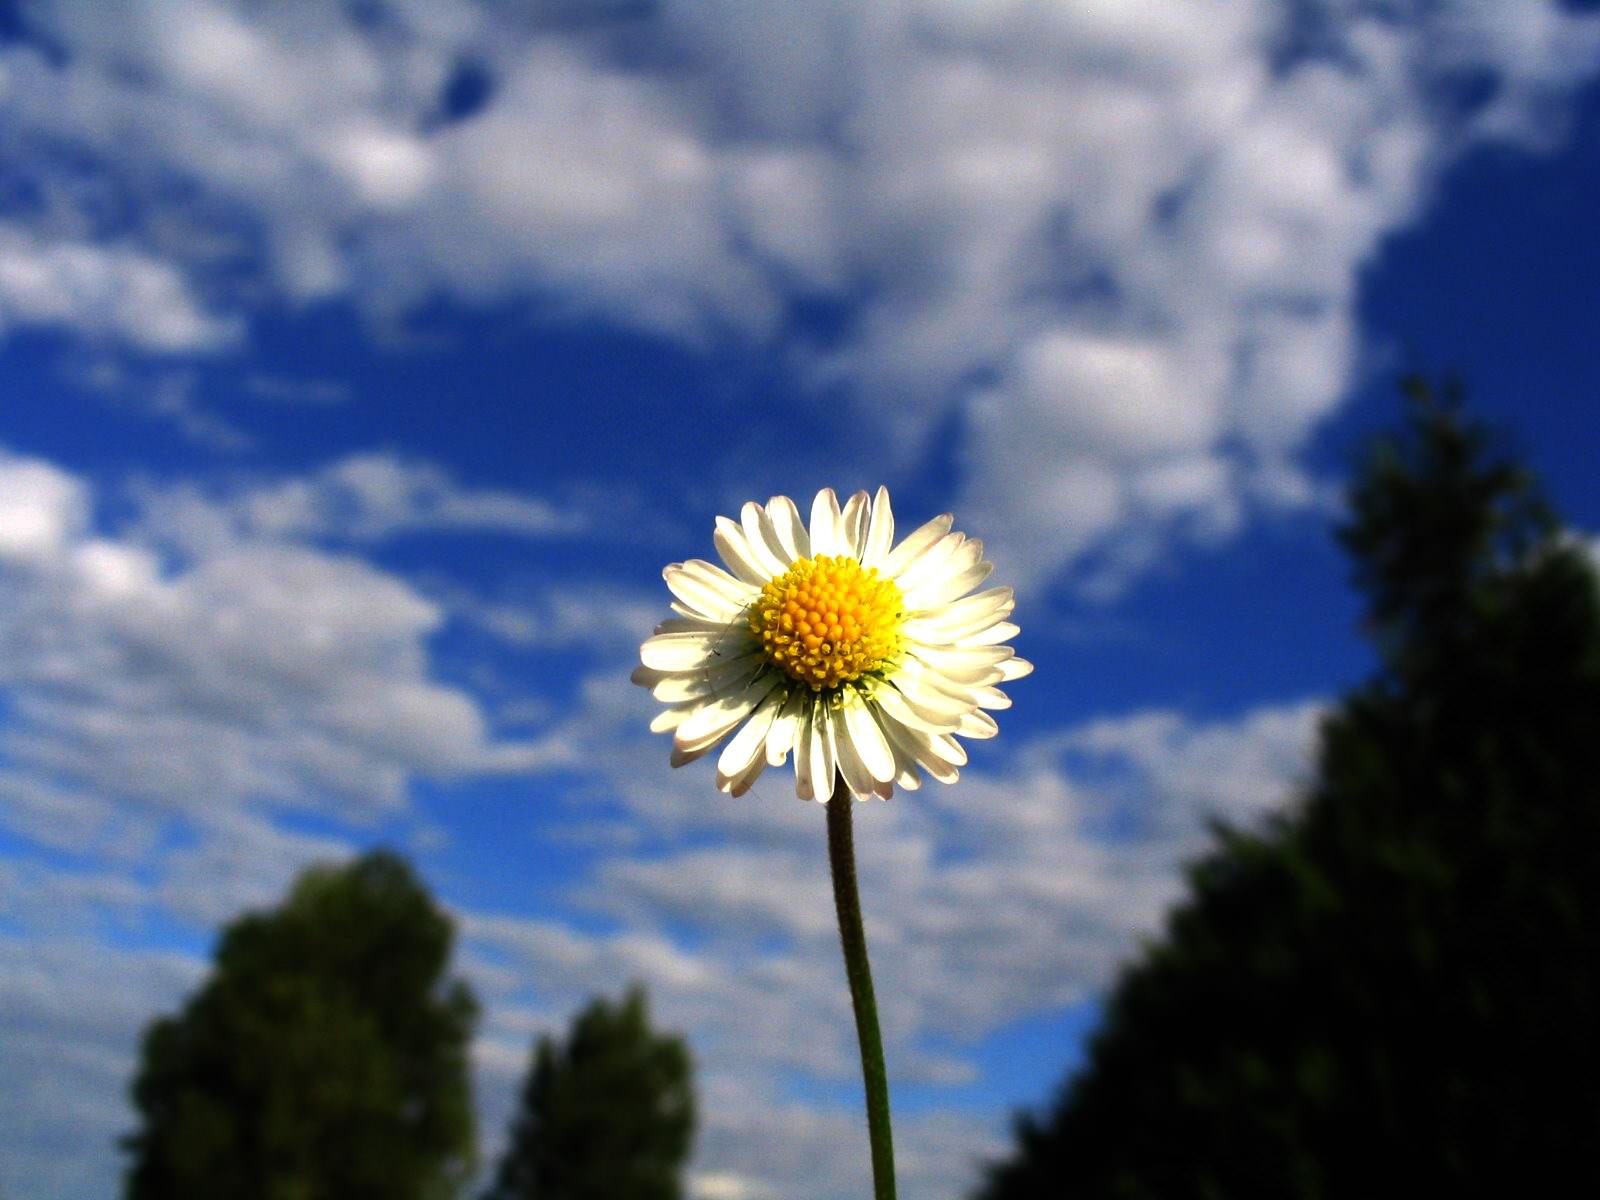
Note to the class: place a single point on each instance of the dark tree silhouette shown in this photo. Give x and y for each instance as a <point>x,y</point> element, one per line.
<point>324,1059</point>
<point>607,1115</point>
<point>1393,989</point>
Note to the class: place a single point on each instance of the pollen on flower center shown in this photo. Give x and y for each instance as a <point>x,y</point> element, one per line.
<point>828,620</point>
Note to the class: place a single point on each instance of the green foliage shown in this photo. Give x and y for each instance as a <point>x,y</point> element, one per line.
<point>1393,990</point>
<point>609,1115</point>
<point>324,1059</point>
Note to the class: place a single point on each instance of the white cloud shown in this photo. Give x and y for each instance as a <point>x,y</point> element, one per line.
<point>371,496</point>
<point>40,509</point>
<point>1125,250</point>
<point>70,1014</point>
<point>366,497</point>
<point>268,674</point>
<point>103,290</point>
<point>297,390</point>
<point>567,615</point>
<point>170,722</point>
<point>262,672</point>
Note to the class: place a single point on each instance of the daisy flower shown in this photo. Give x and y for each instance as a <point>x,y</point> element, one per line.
<point>862,658</point>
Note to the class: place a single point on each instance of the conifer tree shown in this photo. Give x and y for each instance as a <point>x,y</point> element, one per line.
<point>606,1115</point>
<point>1393,988</point>
<point>324,1059</point>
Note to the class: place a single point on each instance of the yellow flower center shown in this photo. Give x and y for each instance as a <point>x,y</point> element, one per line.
<point>828,620</point>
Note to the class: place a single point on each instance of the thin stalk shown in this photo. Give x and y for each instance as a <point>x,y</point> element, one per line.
<point>846,900</point>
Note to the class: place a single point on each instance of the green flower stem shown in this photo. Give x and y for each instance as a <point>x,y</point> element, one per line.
<point>842,858</point>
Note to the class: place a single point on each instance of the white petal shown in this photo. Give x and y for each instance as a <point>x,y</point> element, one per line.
<point>669,719</point>
<point>977,665</point>
<point>746,780</point>
<point>992,697</point>
<point>677,652</point>
<point>892,703</point>
<point>1015,668</point>
<point>678,687</point>
<point>714,576</point>
<point>935,629</point>
<point>827,532</point>
<point>945,557</point>
<point>786,727</point>
<point>735,549</point>
<point>917,746</point>
<point>685,613</point>
<point>853,524</point>
<point>955,682</point>
<point>709,635</point>
<point>911,670</point>
<point>750,741</point>
<point>717,578</point>
<point>932,707</point>
<point>708,590</point>
<point>974,611</point>
<point>947,748</point>
<point>954,552</point>
<point>846,753</point>
<point>869,743</point>
<point>681,757</point>
<point>802,750</point>
<point>820,750</point>
<point>763,539</point>
<point>646,676</point>
<point>978,724</point>
<point>1000,631</point>
<point>920,539</point>
<point>932,751</point>
<point>884,789</point>
<point>693,625</point>
<point>905,764</point>
<point>788,526</point>
<point>713,721</point>
<point>880,531</point>
<point>942,591</point>
<point>724,641</point>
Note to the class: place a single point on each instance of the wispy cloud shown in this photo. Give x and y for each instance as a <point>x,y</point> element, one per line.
<point>113,291</point>
<point>263,672</point>
<point>362,498</point>
<point>595,616</point>
<point>169,725</point>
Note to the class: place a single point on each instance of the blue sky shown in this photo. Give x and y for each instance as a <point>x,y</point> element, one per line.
<point>362,365</point>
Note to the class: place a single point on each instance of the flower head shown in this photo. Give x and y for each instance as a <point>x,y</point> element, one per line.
<point>863,658</point>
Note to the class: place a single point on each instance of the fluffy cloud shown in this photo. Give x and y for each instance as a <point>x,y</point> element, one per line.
<point>110,291</point>
<point>1122,249</point>
<point>362,498</point>
<point>276,676</point>
<point>73,1010</point>
<point>569,615</point>
<point>261,673</point>
<point>171,721</point>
